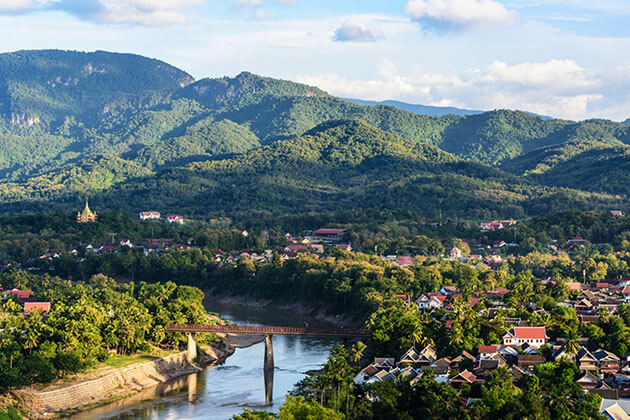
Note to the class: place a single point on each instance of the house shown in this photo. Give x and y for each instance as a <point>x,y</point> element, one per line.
<point>448,290</point>
<point>586,380</point>
<point>381,375</point>
<point>426,356</point>
<point>149,215</point>
<point>295,248</point>
<point>404,261</point>
<point>584,305</point>
<point>329,235</point>
<point>455,253</point>
<point>607,362</point>
<point>365,374</point>
<point>443,362</point>
<point>613,409</point>
<point>486,367</point>
<point>30,307</point>
<point>486,352</point>
<point>462,358</point>
<point>534,336</point>
<point>384,362</point>
<point>319,248</point>
<point>429,353</point>
<point>585,360</point>
<point>464,377</point>
<point>427,302</point>
<point>175,219</point>
<point>21,295</point>
<point>440,372</point>
<point>573,286</point>
<point>626,293</point>
<point>576,241</point>
<point>526,361</point>
<point>125,242</point>
<point>346,247</point>
<point>618,213</point>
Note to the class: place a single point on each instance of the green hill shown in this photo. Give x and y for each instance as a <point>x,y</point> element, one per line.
<point>587,165</point>
<point>73,122</point>
<point>344,165</point>
<point>45,87</point>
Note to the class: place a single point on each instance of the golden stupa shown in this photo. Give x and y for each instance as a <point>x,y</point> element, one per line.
<point>87,215</point>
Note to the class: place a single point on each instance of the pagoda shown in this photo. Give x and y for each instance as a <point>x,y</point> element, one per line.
<point>86,216</point>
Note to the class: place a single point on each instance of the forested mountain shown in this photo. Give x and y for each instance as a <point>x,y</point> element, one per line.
<point>587,165</point>
<point>74,123</point>
<point>342,165</point>
<point>43,88</point>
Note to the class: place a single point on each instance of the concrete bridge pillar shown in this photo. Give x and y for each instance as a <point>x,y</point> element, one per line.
<point>268,368</point>
<point>191,352</point>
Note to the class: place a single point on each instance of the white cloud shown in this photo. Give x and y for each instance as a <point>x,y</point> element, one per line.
<point>559,88</point>
<point>247,4</point>
<point>139,12</point>
<point>351,31</point>
<point>18,6</point>
<point>459,15</point>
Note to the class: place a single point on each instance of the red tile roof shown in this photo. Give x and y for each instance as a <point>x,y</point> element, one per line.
<point>327,231</point>
<point>467,376</point>
<point>529,332</point>
<point>32,306</point>
<point>488,349</point>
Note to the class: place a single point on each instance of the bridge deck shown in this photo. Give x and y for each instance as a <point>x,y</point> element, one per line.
<point>255,330</point>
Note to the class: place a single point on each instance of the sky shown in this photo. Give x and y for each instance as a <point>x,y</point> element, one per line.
<point>563,58</point>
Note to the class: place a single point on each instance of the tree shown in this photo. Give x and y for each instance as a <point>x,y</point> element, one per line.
<point>300,409</point>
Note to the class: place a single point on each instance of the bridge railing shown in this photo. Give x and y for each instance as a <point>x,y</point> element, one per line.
<point>247,329</point>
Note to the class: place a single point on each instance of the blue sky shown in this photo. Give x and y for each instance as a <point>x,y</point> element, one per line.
<point>565,58</point>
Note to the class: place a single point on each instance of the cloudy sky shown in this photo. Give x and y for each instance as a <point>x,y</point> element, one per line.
<point>565,58</point>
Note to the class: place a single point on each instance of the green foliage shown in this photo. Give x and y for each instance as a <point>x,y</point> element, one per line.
<point>10,414</point>
<point>76,122</point>
<point>87,322</point>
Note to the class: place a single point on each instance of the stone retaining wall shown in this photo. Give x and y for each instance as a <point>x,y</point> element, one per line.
<point>118,381</point>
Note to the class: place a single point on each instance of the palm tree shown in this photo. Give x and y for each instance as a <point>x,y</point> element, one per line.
<point>357,351</point>
<point>572,346</point>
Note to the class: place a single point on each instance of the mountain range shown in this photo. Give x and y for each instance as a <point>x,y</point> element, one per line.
<point>132,132</point>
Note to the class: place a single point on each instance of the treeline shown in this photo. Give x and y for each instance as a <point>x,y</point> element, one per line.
<point>88,322</point>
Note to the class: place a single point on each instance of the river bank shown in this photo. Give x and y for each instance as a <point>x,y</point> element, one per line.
<point>317,311</point>
<point>106,386</point>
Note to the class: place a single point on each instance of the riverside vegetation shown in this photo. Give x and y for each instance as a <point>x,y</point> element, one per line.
<point>88,323</point>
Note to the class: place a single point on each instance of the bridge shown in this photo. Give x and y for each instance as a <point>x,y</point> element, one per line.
<point>268,332</point>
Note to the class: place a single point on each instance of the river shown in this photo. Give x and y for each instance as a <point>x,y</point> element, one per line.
<point>222,390</point>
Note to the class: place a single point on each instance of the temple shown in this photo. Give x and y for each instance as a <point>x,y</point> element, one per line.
<point>86,216</point>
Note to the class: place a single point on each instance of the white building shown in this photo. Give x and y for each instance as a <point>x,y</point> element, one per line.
<point>149,215</point>
<point>533,336</point>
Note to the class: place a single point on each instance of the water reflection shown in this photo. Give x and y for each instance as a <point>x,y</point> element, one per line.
<point>223,390</point>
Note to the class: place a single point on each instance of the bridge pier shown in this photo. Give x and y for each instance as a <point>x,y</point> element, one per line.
<point>191,351</point>
<point>268,368</point>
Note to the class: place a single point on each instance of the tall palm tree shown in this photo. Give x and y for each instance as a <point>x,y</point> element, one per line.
<point>357,351</point>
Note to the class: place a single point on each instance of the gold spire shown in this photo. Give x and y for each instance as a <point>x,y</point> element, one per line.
<point>86,216</point>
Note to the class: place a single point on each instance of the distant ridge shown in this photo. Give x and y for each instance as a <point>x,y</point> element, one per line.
<point>434,111</point>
